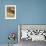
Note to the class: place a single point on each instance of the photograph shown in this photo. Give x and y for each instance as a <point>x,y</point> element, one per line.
<point>10,11</point>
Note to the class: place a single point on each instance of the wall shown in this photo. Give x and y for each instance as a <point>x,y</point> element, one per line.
<point>27,12</point>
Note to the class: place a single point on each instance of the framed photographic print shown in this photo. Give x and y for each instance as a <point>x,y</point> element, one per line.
<point>10,11</point>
